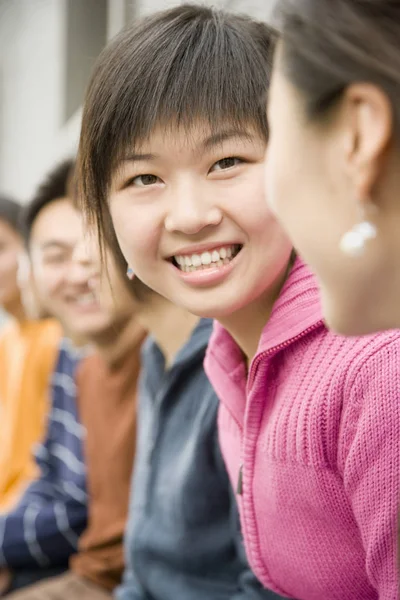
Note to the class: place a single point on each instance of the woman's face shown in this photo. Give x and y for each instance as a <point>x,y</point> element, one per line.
<point>316,172</point>
<point>190,215</point>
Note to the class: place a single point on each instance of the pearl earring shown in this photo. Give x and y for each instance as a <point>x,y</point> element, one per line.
<point>353,241</point>
<point>130,273</point>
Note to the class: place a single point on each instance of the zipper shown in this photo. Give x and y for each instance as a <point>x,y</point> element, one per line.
<point>252,376</point>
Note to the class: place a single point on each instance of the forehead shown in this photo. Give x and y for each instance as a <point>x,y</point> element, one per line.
<point>200,136</point>
<point>59,222</point>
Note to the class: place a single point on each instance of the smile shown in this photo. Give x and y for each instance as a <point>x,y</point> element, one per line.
<point>217,257</point>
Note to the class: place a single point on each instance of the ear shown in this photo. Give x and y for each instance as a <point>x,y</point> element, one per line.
<point>368,119</point>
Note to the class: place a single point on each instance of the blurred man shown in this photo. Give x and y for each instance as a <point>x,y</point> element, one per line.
<point>55,506</point>
<point>28,349</point>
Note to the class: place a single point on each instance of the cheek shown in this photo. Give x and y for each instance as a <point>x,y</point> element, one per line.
<point>50,284</point>
<point>8,266</point>
<point>137,233</point>
<point>258,220</point>
<point>279,179</point>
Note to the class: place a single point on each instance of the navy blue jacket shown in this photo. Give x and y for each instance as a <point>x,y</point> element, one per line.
<point>183,538</point>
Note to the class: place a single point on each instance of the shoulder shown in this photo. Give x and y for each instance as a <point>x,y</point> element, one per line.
<point>49,331</point>
<point>374,360</point>
<point>89,366</point>
<point>370,397</point>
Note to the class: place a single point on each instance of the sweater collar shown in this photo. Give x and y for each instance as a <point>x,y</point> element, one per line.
<point>296,311</point>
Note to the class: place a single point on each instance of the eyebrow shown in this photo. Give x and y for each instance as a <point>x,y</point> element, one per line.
<point>56,244</point>
<point>222,136</point>
<point>139,157</point>
<point>207,144</point>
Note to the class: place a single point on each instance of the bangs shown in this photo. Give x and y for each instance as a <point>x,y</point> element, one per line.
<point>182,67</point>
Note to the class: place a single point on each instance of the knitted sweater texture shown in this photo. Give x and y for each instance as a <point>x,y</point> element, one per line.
<point>311,440</point>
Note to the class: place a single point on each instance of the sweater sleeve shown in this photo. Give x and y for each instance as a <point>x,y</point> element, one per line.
<point>371,463</point>
<point>44,528</point>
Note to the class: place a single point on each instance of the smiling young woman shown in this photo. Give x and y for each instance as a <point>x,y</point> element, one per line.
<point>172,156</point>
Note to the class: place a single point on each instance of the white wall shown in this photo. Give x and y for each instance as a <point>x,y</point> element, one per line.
<point>31,46</point>
<point>260,9</point>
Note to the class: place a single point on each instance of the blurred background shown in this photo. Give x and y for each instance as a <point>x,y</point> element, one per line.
<point>47,50</point>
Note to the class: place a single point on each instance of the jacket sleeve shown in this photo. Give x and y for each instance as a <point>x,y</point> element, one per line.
<point>44,528</point>
<point>369,457</point>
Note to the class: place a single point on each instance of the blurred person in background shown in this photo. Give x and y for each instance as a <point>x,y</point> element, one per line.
<point>84,443</point>
<point>183,537</point>
<point>107,377</point>
<point>40,533</point>
<point>28,350</point>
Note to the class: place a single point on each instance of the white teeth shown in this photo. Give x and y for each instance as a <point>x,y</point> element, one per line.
<point>196,260</point>
<point>218,258</point>
<point>86,299</point>
<point>205,258</point>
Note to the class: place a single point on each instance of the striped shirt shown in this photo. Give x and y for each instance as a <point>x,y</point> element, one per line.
<point>44,528</point>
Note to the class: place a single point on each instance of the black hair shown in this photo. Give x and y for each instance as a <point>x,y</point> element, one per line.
<point>329,44</point>
<point>10,211</point>
<point>54,187</point>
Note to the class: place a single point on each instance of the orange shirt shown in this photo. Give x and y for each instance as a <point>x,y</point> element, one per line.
<point>28,352</point>
<point>107,410</point>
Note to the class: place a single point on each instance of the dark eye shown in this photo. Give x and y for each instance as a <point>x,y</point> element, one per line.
<point>145,180</point>
<point>225,163</point>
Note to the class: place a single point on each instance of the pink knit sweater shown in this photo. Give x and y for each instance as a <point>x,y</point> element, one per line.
<point>311,439</point>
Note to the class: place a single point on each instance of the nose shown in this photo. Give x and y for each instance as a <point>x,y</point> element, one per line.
<point>78,274</point>
<point>82,266</point>
<point>191,211</point>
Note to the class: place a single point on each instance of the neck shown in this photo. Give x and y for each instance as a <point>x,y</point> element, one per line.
<point>170,325</point>
<point>246,325</point>
<point>16,310</point>
<point>114,344</point>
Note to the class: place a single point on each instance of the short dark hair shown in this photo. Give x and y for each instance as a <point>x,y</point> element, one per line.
<point>55,186</point>
<point>329,44</point>
<point>180,66</point>
<point>10,211</point>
